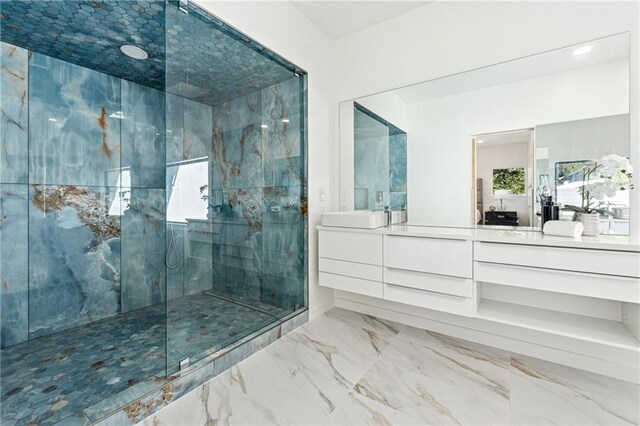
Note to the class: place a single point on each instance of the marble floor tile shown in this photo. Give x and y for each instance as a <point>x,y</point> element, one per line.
<point>344,368</point>
<point>359,410</point>
<point>479,369</point>
<point>288,389</point>
<point>217,402</point>
<point>431,401</point>
<point>547,393</point>
<point>340,346</point>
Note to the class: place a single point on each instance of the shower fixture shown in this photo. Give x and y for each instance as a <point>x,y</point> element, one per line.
<point>187,90</point>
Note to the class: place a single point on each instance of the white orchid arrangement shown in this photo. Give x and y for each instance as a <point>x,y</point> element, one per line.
<point>604,178</point>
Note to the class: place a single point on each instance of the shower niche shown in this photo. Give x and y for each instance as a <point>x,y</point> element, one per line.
<point>153,210</point>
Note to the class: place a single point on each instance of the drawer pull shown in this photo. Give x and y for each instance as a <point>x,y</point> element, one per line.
<point>453,296</point>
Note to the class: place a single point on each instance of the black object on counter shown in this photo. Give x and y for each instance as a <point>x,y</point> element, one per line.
<point>550,211</point>
<point>501,218</point>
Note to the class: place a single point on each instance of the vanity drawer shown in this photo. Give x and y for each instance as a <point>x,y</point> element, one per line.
<point>456,286</point>
<point>580,260</point>
<point>350,246</point>
<point>426,299</point>
<point>432,255</point>
<point>351,269</point>
<point>351,284</point>
<point>610,287</point>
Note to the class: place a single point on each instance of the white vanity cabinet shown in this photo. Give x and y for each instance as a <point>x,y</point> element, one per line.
<point>570,301</point>
<point>432,273</point>
<point>586,294</point>
<point>351,261</point>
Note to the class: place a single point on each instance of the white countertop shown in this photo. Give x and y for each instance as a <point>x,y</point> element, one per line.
<point>502,235</point>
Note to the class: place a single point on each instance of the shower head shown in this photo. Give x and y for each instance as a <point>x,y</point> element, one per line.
<point>187,90</point>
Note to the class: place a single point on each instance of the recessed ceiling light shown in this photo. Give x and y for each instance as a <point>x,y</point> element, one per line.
<point>133,52</point>
<point>264,126</point>
<point>479,141</point>
<point>285,120</point>
<point>582,50</point>
<point>52,119</point>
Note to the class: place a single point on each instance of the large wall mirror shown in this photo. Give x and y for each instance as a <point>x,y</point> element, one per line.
<point>490,147</point>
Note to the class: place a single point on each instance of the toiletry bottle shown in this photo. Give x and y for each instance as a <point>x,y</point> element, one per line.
<point>549,210</point>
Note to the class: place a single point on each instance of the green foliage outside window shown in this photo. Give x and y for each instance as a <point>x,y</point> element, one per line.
<point>509,179</point>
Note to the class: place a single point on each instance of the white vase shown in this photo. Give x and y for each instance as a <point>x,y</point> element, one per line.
<point>590,223</point>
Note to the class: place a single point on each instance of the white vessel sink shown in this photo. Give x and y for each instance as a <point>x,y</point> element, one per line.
<point>354,219</point>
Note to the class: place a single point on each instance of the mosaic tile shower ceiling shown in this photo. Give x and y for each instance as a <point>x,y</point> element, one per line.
<point>380,162</point>
<point>213,62</point>
<point>150,211</point>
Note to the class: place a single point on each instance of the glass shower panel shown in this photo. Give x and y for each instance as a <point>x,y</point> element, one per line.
<point>236,179</point>
<point>83,237</point>
<point>149,213</point>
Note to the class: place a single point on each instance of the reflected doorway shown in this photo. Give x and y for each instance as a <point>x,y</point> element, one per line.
<point>502,174</point>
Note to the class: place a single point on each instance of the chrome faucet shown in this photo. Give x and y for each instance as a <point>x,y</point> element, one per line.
<point>387,215</point>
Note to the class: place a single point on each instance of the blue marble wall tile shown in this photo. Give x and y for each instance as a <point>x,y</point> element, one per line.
<point>398,199</point>
<point>371,169</point>
<point>197,130</point>
<point>14,142</point>
<point>198,256</point>
<point>74,138</point>
<point>74,256</point>
<point>361,198</point>
<point>143,135</point>
<point>283,241</point>
<point>380,163</point>
<point>237,143</point>
<point>14,205</point>
<point>143,247</point>
<point>238,243</point>
<point>259,251</point>
<point>175,128</point>
<point>283,153</point>
<point>176,236</point>
<point>398,162</point>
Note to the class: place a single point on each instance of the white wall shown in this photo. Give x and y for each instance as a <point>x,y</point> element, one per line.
<point>389,106</point>
<point>502,156</point>
<point>439,153</point>
<point>280,27</point>
<point>443,38</point>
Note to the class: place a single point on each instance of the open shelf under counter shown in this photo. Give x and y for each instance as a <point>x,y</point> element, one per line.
<point>597,330</point>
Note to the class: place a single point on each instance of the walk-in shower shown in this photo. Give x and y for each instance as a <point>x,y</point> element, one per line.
<point>152,210</point>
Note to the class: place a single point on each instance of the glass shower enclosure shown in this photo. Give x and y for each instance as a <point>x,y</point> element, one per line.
<point>153,212</point>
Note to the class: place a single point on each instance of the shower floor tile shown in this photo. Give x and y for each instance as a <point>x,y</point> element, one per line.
<point>53,377</point>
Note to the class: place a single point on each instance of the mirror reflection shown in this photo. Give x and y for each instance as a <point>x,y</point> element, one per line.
<point>380,162</point>
<point>537,138</point>
<point>503,178</point>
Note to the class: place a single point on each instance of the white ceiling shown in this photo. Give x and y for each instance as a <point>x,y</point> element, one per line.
<point>341,18</point>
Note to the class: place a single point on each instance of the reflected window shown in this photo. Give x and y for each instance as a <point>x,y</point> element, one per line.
<point>189,190</point>
<point>508,181</point>
<point>120,201</point>
<point>569,178</point>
